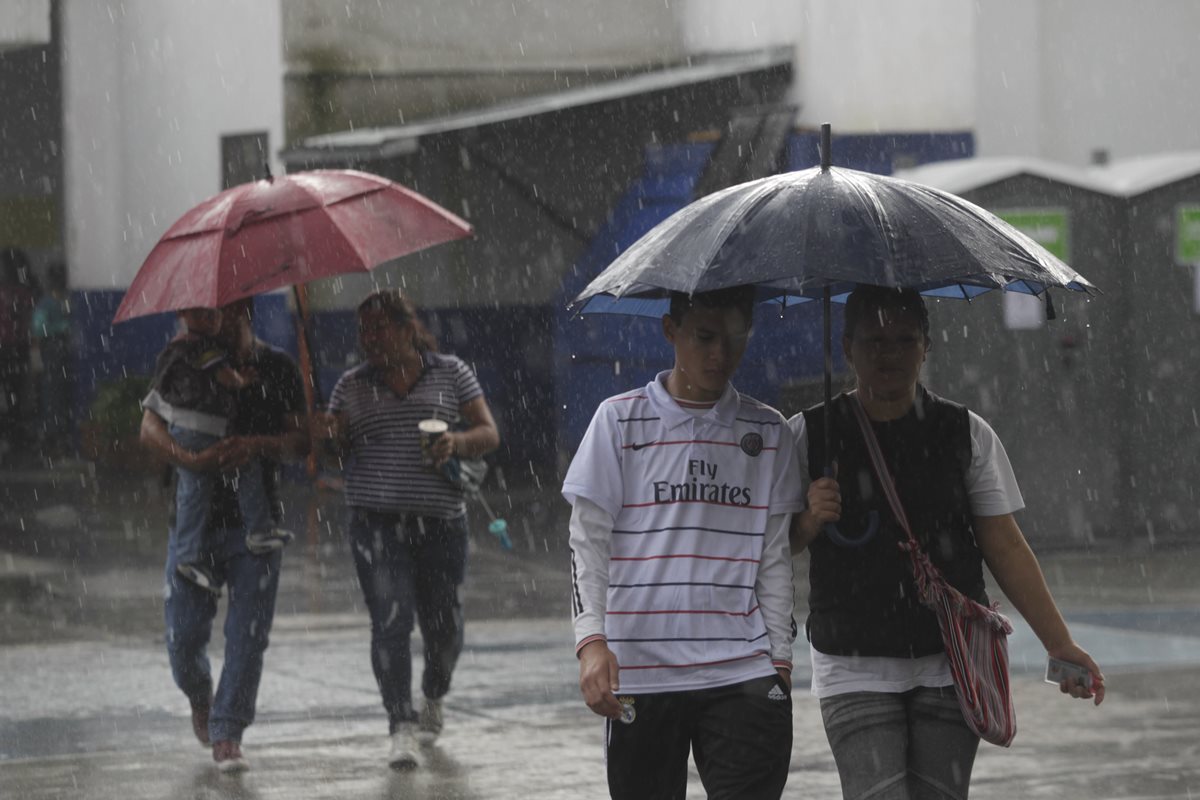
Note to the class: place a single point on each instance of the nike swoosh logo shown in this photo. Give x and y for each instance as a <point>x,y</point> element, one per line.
<point>640,446</point>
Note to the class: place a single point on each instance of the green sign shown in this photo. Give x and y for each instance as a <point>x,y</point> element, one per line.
<point>1187,235</point>
<point>1049,227</point>
<point>28,221</point>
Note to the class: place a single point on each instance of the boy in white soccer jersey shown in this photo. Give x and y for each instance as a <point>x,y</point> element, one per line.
<point>681,495</point>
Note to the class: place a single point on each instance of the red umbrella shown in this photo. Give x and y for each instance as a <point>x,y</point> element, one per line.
<point>284,232</point>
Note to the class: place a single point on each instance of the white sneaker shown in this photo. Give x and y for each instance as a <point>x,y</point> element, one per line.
<point>405,754</point>
<point>429,723</point>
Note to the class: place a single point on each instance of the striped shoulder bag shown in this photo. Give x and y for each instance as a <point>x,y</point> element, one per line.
<point>975,636</point>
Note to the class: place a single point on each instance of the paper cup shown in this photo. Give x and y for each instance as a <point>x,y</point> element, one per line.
<point>430,430</point>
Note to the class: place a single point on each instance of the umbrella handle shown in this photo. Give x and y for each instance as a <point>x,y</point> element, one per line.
<point>842,541</point>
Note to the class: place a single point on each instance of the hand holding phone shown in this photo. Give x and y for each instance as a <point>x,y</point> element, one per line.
<point>1058,671</point>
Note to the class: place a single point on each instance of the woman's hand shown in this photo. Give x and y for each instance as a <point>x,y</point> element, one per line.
<point>825,500</point>
<point>324,425</point>
<point>443,448</point>
<point>824,505</point>
<point>1075,654</point>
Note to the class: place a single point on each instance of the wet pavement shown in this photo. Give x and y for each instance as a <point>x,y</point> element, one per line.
<point>88,709</point>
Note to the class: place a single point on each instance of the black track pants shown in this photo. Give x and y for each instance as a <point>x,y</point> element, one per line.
<point>739,735</point>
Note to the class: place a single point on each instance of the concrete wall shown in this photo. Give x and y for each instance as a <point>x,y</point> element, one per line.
<point>149,88</point>
<point>24,23</point>
<point>457,36</point>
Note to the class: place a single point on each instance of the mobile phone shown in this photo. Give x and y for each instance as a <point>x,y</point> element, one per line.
<point>1058,671</point>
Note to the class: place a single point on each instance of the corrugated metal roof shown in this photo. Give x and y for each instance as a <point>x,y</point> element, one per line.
<point>1134,176</point>
<point>1122,178</point>
<point>402,139</point>
<point>966,174</point>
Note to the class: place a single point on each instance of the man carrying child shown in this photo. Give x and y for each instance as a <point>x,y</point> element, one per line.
<point>268,425</point>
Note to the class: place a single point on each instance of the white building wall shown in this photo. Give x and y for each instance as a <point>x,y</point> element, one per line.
<point>24,22</point>
<point>149,88</point>
<point>865,67</point>
<point>881,66</point>
<point>1008,78</point>
<point>1061,78</point>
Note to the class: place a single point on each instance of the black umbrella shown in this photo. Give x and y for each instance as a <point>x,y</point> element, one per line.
<point>818,233</point>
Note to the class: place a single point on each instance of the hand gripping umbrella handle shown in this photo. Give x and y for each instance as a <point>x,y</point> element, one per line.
<point>836,536</point>
<point>873,517</point>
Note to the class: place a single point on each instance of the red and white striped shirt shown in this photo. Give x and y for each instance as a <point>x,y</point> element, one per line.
<point>679,538</point>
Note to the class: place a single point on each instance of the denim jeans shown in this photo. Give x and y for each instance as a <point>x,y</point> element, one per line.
<point>193,498</point>
<point>907,746</point>
<point>251,582</point>
<point>408,564</point>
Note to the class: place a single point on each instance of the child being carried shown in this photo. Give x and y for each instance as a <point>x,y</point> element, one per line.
<point>195,391</point>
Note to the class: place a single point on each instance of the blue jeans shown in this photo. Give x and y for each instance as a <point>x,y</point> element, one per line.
<point>251,582</point>
<point>193,498</point>
<point>912,745</point>
<point>408,563</point>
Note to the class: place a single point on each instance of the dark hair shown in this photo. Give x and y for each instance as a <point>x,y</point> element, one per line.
<point>739,297</point>
<point>873,300</point>
<point>56,275</point>
<point>402,311</point>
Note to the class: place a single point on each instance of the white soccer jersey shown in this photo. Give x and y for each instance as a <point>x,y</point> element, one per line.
<point>690,496</point>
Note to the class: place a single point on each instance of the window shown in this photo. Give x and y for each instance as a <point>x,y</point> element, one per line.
<point>244,157</point>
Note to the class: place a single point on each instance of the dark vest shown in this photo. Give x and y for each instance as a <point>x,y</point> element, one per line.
<point>863,600</point>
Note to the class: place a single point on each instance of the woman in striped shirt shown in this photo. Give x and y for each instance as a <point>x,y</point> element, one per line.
<point>407,530</point>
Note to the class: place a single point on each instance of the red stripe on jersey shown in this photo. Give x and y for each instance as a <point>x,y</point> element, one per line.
<point>705,502</point>
<point>628,397</point>
<point>685,555</point>
<point>755,654</point>
<point>685,611</point>
<point>639,445</point>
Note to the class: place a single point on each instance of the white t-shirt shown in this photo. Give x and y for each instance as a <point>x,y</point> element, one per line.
<point>679,547</point>
<point>991,491</point>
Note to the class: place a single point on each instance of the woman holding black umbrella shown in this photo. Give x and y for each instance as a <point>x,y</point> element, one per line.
<point>879,668</point>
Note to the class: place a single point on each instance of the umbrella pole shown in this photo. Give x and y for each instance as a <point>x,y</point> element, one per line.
<point>826,313</point>
<point>308,370</point>
<point>308,375</point>
<point>831,530</point>
<point>826,147</point>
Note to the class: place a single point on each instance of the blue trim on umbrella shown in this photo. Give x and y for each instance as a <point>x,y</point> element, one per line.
<point>655,307</point>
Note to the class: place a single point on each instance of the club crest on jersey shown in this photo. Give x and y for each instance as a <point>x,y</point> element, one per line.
<point>628,712</point>
<point>752,444</point>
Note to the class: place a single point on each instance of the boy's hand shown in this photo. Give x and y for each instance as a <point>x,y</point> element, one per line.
<point>599,679</point>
